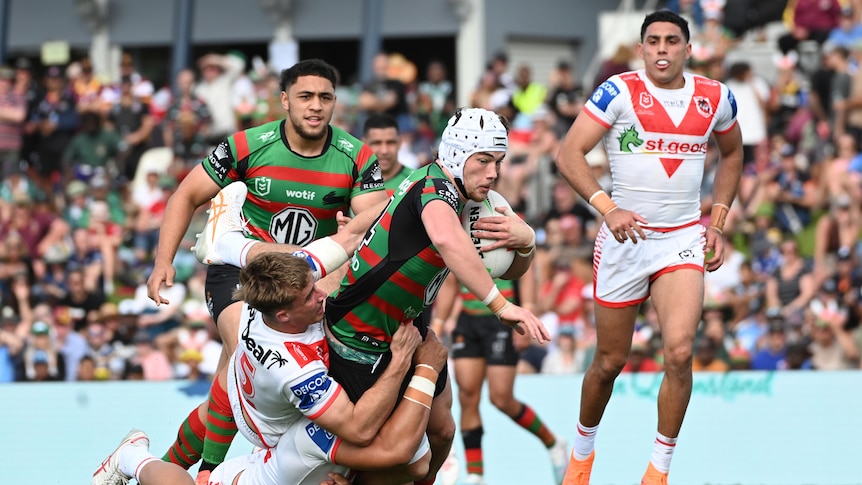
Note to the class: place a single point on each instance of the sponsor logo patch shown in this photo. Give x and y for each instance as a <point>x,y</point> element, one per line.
<point>312,390</point>
<point>293,225</point>
<point>604,94</point>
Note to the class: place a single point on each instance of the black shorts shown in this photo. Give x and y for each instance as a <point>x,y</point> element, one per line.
<point>357,378</point>
<point>483,336</point>
<point>222,280</point>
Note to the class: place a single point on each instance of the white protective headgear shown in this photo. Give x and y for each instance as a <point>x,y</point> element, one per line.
<point>469,131</point>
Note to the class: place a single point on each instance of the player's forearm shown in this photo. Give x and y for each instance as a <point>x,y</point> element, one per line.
<point>372,409</point>
<point>178,216</point>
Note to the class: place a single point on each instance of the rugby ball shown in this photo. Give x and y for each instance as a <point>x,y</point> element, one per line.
<point>496,261</point>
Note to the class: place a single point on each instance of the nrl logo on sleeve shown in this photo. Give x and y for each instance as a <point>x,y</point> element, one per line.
<point>345,145</point>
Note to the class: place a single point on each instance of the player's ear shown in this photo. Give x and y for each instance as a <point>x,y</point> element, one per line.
<point>285,102</point>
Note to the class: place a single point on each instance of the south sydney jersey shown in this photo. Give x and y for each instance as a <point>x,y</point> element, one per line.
<point>657,141</point>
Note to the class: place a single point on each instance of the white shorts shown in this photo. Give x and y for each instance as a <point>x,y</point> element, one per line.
<point>623,272</point>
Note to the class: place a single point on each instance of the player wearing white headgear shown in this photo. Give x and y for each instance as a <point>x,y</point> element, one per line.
<point>399,267</point>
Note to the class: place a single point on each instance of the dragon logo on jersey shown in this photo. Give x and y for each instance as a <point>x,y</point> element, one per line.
<point>262,185</point>
<point>629,136</point>
<point>703,105</point>
<point>345,145</point>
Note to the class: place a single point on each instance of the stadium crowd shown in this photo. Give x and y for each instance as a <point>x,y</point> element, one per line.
<point>87,167</point>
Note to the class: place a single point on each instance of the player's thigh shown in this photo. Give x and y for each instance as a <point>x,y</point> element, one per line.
<point>469,374</point>
<point>228,326</point>
<point>677,297</point>
<point>614,329</point>
<point>501,383</point>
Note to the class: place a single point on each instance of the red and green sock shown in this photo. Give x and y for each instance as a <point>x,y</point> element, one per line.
<point>473,450</point>
<point>186,450</point>
<point>529,420</point>
<point>221,428</point>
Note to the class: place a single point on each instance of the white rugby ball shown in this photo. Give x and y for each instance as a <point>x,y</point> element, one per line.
<point>496,261</point>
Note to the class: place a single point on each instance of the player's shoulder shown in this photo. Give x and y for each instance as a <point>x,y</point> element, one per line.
<point>258,137</point>
<point>703,81</point>
<point>345,143</point>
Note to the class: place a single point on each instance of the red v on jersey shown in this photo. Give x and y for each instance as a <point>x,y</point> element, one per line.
<point>670,165</point>
<point>654,118</point>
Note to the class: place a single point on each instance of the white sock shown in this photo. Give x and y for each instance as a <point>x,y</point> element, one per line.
<point>585,441</point>
<point>662,452</point>
<point>233,247</point>
<point>133,458</point>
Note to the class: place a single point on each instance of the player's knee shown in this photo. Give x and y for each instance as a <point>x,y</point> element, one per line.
<point>469,396</point>
<point>502,400</point>
<point>610,366</point>
<point>677,358</point>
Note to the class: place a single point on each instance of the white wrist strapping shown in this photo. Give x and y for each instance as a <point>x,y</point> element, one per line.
<point>324,255</point>
<point>494,293</point>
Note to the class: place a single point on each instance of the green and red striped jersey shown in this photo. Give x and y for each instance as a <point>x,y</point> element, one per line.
<point>472,305</point>
<point>291,198</point>
<point>396,272</point>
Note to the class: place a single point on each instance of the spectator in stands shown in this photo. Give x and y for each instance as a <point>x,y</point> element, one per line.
<point>746,297</point>
<point>42,359</point>
<point>705,356</point>
<point>436,98</point>
<point>109,365</point>
<point>105,236</point>
<point>11,344</point>
<point>384,94</point>
<point>618,63</point>
<point>565,97</point>
<point>812,20</point>
<point>490,94</point>
<point>752,94</point>
<point>72,344</point>
<point>641,357</point>
<point>566,357</point>
<point>55,121</point>
<point>791,286</point>
<point>838,105</point>
<point>793,192</point>
<point>187,122</point>
<point>80,300</point>
<point>130,118</point>
<point>528,97</point>
<point>848,32</point>
<point>786,96</point>
<point>87,88</point>
<point>218,73</point>
<point>153,362</point>
<point>832,346</point>
<point>13,112</point>
<point>773,354</point>
<point>93,149</point>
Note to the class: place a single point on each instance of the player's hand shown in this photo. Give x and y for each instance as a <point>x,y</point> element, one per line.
<point>525,323</point>
<point>715,244</point>
<point>508,230</point>
<point>405,340</point>
<point>336,479</point>
<point>162,273</point>
<point>342,220</point>
<point>625,225</point>
<point>431,352</point>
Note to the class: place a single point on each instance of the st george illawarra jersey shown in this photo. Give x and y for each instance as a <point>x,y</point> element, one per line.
<point>657,141</point>
<point>275,378</point>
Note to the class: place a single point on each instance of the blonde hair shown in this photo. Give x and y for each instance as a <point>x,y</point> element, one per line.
<point>272,281</point>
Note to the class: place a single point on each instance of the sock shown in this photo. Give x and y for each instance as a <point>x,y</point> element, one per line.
<point>584,441</point>
<point>186,450</point>
<point>233,248</point>
<point>473,450</point>
<point>531,422</point>
<point>662,452</point>
<point>221,428</point>
<point>131,459</point>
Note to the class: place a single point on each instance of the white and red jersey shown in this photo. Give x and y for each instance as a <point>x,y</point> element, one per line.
<point>657,142</point>
<point>277,378</point>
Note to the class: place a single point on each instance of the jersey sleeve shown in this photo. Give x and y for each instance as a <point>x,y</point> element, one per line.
<point>311,389</point>
<point>439,189</point>
<point>222,164</point>
<point>725,115</point>
<point>369,176</point>
<point>608,101</point>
